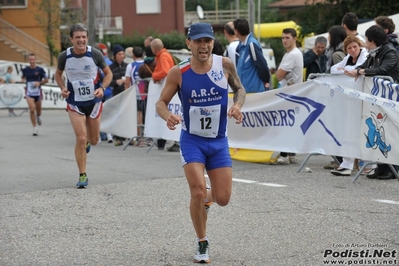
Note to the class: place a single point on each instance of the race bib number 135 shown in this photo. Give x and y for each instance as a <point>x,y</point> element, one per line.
<point>83,89</point>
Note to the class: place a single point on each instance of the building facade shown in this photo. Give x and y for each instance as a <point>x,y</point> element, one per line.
<point>22,33</point>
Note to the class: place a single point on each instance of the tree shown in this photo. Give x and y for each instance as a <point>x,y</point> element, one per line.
<point>319,17</point>
<point>49,17</point>
<point>69,16</point>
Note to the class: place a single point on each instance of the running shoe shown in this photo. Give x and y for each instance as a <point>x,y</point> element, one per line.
<point>35,132</point>
<point>283,160</point>
<point>174,148</point>
<point>202,249</point>
<point>118,142</point>
<point>207,203</point>
<point>88,146</point>
<point>293,159</point>
<point>38,120</point>
<point>83,181</point>
<point>333,165</point>
<point>341,171</point>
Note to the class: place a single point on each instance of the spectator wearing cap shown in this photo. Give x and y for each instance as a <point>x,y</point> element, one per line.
<point>203,147</point>
<point>118,68</point>
<point>251,65</point>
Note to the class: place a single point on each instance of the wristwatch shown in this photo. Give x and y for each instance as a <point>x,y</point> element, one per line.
<point>358,71</point>
<point>102,88</point>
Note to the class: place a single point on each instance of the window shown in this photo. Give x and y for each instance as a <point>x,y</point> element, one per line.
<point>148,6</point>
<point>13,3</point>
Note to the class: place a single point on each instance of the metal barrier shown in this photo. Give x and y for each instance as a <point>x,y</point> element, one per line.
<point>317,75</point>
<point>141,97</point>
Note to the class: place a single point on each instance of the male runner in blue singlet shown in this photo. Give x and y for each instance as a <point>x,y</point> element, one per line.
<point>83,92</point>
<point>35,77</point>
<point>201,83</point>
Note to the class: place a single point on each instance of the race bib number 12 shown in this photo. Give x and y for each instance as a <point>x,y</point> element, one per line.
<point>204,120</point>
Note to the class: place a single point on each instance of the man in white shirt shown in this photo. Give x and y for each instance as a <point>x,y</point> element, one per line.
<point>290,72</point>
<point>233,42</point>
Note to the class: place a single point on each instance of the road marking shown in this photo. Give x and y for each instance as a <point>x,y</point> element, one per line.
<point>387,201</point>
<point>243,180</point>
<point>272,185</point>
<point>258,183</point>
<point>254,182</point>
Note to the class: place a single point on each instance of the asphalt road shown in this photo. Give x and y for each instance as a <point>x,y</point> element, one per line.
<point>135,210</point>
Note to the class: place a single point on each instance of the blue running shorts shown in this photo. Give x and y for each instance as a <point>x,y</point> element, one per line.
<point>212,152</point>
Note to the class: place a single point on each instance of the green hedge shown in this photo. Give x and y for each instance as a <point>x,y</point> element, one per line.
<point>172,40</point>
<point>176,41</point>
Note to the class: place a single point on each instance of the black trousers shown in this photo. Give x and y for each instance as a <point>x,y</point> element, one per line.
<point>285,154</point>
<point>384,169</point>
<point>161,143</point>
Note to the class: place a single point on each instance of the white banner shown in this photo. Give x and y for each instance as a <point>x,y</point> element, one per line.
<point>332,115</point>
<point>380,122</point>
<point>155,126</point>
<point>119,116</point>
<point>304,118</point>
<point>13,95</point>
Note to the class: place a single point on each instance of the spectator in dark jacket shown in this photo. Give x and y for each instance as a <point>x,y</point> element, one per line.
<point>118,68</point>
<point>389,27</point>
<point>383,60</point>
<point>315,60</point>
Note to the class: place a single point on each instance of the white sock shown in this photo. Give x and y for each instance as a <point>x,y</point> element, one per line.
<point>202,239</point>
